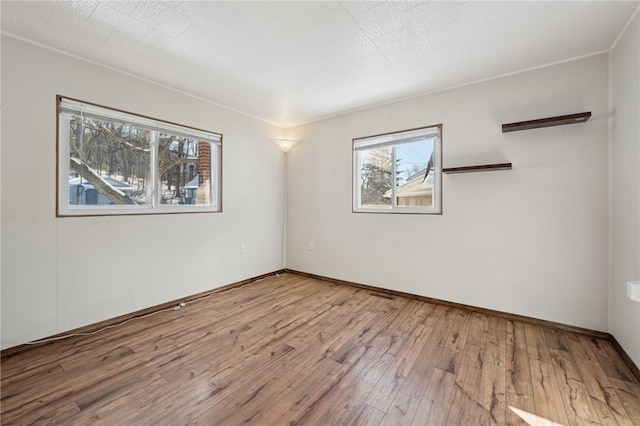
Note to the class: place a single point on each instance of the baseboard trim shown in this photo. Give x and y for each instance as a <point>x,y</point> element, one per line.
<point>15,350</point>
<point>626,358</point>
<point>12,351</point>
<point>531,320</point>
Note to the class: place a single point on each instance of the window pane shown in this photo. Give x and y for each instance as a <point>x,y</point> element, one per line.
<point>115,162</point>
<point>376,177</point>
<point>109,163</point>
<point>414,174</point>
<point>185,172</point>
<point>398,172</point>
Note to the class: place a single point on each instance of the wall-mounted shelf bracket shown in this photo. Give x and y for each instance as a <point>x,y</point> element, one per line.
<point>546,122</point>
<point>479,168</point>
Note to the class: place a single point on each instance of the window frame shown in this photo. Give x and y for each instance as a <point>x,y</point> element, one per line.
<point>393,139</point>
<point>64,209</point>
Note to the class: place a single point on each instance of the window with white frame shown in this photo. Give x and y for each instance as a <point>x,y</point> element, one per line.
<point>114,162</point>
<point>398,172</point>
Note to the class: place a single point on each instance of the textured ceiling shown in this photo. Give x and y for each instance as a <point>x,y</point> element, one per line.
<point>294,62</point>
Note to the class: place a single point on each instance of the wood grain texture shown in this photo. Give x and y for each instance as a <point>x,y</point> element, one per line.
<point>547,122</point>
<point>296,350</point>
<point>477,168</point>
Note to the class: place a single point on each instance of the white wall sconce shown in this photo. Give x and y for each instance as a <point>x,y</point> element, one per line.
<point>285,144</point>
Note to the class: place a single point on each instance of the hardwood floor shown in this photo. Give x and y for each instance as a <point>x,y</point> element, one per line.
<point>296,350</point>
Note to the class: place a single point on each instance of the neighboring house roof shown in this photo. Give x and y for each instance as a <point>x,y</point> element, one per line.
<point>415,186</point>
<point>111,181</point>
<point>192,184</point>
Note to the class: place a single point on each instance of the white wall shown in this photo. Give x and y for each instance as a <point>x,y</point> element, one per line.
<point>58,274</point>
<point>531,241</point>
<point>625,197</point>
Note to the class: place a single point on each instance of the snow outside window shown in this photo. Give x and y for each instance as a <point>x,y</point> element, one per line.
<point>114,162</point>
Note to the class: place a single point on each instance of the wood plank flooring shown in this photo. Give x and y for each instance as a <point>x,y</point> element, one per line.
<point>296,350</point>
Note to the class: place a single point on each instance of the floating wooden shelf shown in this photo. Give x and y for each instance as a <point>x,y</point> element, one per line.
<point>546,122</point>
<point>479,168</point>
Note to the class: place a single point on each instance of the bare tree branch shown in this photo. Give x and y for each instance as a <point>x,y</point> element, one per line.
<point>119,139</point>
<point>101,185</point>
<point>165,167</point>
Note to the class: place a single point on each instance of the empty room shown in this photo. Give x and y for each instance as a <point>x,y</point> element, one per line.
<point>320,212</point>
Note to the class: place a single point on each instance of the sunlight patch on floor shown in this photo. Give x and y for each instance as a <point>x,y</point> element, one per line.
<point>532,419</point>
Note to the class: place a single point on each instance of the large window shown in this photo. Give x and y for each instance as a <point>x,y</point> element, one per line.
<point>398,172</point>
<point>113,162</point>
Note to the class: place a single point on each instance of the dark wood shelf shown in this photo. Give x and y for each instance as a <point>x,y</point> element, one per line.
<point>547,122</point>
<point>479,168</point>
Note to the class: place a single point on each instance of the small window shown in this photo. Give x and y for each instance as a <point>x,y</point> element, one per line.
<point>113,162</point>
<point>398,172</point>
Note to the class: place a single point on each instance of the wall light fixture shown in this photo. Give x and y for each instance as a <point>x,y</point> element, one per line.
<point>285,144</point>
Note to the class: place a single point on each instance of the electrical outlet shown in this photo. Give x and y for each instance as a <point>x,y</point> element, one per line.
<point>633,290</point>
<point>243,249</point>
<point>310,245</point>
